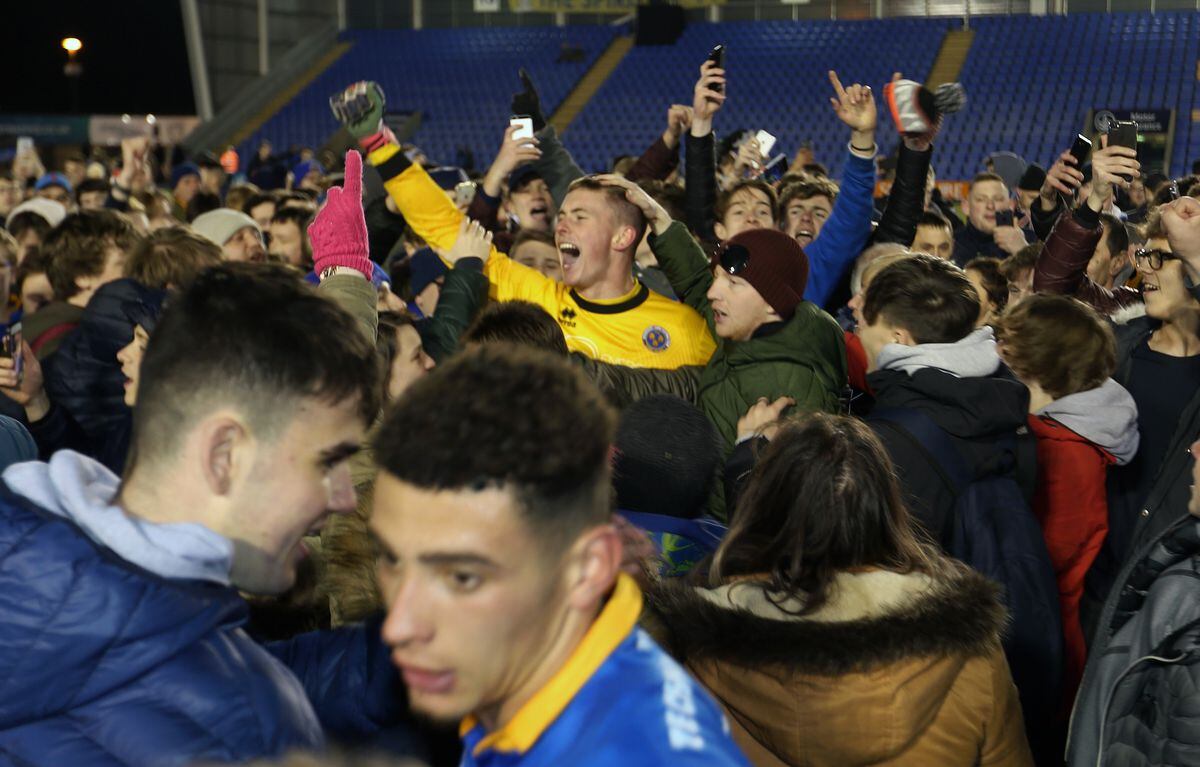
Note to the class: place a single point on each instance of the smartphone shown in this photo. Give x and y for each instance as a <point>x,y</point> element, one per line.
<point>524,124</point>
<point>1004,218</point>
<point>766,142</point>
<point>464,192</point>
<point>775,168</point>
<point>717,56</point>
<point>1081,149</point>
<point>1125,134</point>
<point>10,346</point>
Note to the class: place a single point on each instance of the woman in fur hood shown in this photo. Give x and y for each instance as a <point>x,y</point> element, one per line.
<point>829,633</point>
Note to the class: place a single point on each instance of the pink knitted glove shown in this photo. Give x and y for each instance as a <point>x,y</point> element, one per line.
<point>339,232</point>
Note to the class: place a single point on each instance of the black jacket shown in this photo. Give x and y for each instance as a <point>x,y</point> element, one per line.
<point>970,243</point>
<point>973,411</point>
<point>700,189</point>
<point>906,201</point>
<point>84,376</point>
<point>1138,702</point>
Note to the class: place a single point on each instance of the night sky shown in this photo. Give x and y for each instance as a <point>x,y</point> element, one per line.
<point>134,57</point>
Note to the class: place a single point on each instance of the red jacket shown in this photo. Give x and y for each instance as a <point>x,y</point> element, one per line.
<point>1072,506</point>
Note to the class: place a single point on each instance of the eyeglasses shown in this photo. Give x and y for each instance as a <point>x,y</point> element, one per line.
<point>733,258</point>
<point>1152,258</point>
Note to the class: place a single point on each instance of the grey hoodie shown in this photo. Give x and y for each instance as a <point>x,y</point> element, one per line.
<point>1105,416</point>
<point>973,356</point>
<point>81,490</point>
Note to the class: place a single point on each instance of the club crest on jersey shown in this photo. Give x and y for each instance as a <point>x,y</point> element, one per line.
<point>656,338</point>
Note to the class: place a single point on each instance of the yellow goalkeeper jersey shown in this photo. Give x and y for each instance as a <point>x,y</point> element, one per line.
<point>640,329</point>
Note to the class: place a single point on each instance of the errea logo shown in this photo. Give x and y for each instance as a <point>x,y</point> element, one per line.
<point>566,317</point>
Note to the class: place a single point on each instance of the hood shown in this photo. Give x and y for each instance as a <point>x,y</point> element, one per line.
<point>77,488</point>
<point>970,357</point>
<point>83,619</point>
<point>1105,416</point>
<point>966,408</point>
<point>891,645</point>
<point>110,315</point>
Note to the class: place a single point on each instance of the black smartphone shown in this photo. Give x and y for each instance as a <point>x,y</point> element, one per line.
<point>1125,134</point>
<point>10,346</point>
<point>1081,149</point>
<point>717,57</point>
<point>1004,218</point>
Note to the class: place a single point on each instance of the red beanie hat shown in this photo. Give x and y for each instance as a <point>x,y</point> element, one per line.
<point>775,265</point>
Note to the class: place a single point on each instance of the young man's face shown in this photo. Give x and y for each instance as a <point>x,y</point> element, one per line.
<point>1020,287</point>
<point>212,179</point>
<point>287,242</point>
<point>410,364</point>
<point>92,200</point>
<point>186,189</point>
<point>749,208</point>
<point>262,214</point>
<point>56,193</point>
<point>975,277</point>
<point>934,240</point>
<point>114,269</point>
<point>1104,263</point>
<point>984,200</point>
<point>875,336</point>
<point>585,235</point>
<point>803,219</point>
<point>1027,197</point>
<point>427,299</point>
<point>533,205</point>
<point>540,256</point>
<point>130,357</point>
<point>292,484</point>
<point>475,600</point>
<point>1165,290</point>
<point>10,195</point>
<point>1137,193</point>
<point>29,241</point>
<point>245,245</point>
<point>35,293</point>
<point>738,309</point>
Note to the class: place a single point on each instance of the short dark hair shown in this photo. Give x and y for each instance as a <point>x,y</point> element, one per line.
<point>26,220</point>
<point>725,199</point>
<point>202,202</point>
<point>254,200</point>
<point>171,257</point>
<point>520,323</point>
<point>929,297</point>
<point>90,185</point>
<point>666,456</point>
<point>625,213</point>
<point>1024,259</point>
<point>506,417</point>
<point>386,345</point>
<point>76,247</point>
<point>35,262</point>
<point>530,235</point>
<point>671,197</point>
<point>251,336</point>
<point>1059,342</point>
<point>301,217</point>
<point>1115,233</point>
<point>811,186</point>
<point>982,177</point>
<point>995,284</point>
<point>823,499</point>
<point>935,219</point>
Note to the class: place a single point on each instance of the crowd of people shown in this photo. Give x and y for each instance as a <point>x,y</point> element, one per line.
<point>385,462</point>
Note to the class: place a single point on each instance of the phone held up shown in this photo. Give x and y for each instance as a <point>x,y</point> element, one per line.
<point>1120,133</point>
<point>524,127</point>
<point>717,57</point>
<point>1004,218</point>
<point>10,346</point>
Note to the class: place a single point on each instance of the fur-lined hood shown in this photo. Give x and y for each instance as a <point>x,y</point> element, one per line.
<point>861,680</point>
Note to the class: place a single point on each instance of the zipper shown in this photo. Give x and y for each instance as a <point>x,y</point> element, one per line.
<point>1108,702</point>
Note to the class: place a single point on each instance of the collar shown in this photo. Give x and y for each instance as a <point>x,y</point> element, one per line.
<point>612,626</point>
<point>631,300</point>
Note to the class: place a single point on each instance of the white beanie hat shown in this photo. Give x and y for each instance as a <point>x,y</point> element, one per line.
<point>221,224</point>
<point>52,211</point>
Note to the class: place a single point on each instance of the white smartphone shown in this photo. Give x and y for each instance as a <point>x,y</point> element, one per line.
<point>766,142</point>
<point>524,125</point>
<point>24,145</point>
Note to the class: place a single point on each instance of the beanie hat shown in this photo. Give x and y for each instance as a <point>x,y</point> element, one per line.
<point>775,266</point>
<point>54,179</point>
<point>916,110</point>
<point>52,211</point>
<point>666,453</point>
<point>183,170</point>
<point>522,176</point>
<point>221,224</point>
<point>426,267</point>
<point>1032,179</point>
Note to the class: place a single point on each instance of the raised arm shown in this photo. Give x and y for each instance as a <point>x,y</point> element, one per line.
<point>662,157</point>
<point>701,171</point>
<point>846,232</point>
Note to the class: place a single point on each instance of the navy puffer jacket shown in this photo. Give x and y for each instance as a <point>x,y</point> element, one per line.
<point>104,663</point>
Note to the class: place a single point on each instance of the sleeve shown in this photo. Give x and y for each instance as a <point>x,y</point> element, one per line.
<point>357,296</point>
<point>700,191</point>
<point>1004,744</point>
<point>683,262</point>
<point>906,202</point>
<point>434,218</point>
<point>1062,266</point>
<point>463,295</point>
<point>845,234</point>
<point>57,430</point>
<point>655,164</point>
<point>384,229</point>
<point>1074,514</point>
<point>738,466</point>
<point>485,209</point>
<point>623,386</point>
<point>556,166</point>
<point>1043,221</point>
<point>348,676</point>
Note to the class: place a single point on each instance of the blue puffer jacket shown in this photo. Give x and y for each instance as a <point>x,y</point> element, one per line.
<point>105,663</point>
